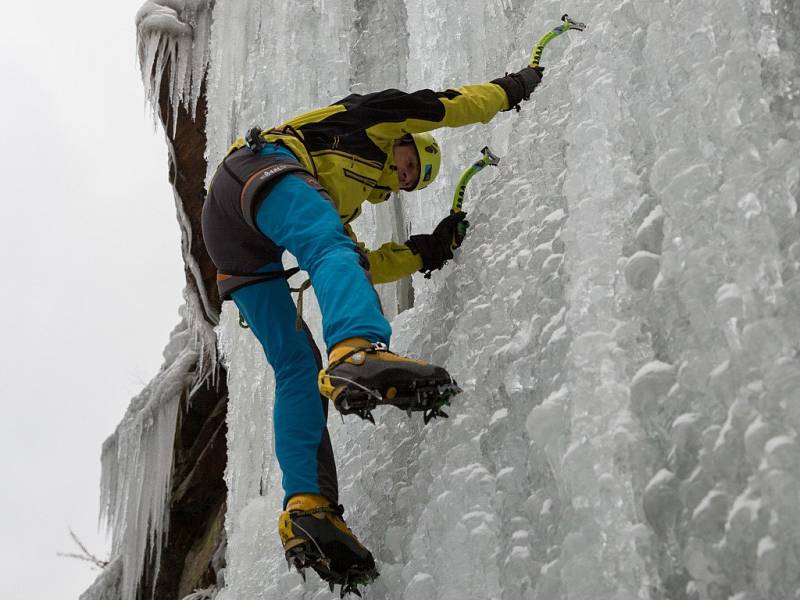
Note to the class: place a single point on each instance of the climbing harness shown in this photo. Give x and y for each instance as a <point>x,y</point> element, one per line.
<point>298,323</point>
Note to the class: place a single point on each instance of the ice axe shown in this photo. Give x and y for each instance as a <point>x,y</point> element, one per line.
<point>488,158</point>
<point>566,25</point>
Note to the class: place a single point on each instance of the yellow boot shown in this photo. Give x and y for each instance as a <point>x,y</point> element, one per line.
<point>314,535</point>
<point>362,375</point>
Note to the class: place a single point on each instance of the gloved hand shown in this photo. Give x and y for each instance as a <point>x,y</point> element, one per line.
<point>520,85</point>
<point>436,248</point>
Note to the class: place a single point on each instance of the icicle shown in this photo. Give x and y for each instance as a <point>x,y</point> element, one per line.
<point>137,463</point>
<point>208,593</point>
<point>174,34</point>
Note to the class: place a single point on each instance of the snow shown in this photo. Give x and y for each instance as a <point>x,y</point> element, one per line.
<point>623,315</point>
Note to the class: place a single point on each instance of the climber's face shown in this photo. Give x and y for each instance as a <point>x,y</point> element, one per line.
<point>407,163</point>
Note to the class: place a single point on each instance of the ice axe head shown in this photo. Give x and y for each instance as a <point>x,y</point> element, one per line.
<point>489,157</point>
<point>572,24</point>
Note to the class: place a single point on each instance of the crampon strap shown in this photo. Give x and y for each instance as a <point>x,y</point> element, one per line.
<point>371,349</point>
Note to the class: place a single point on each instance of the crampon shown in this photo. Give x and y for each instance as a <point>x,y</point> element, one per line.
<point>426,396</point>
<point>309,555</point>
<point>365,375</point>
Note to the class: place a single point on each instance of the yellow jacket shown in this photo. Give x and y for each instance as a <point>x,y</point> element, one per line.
<point>348,147</point>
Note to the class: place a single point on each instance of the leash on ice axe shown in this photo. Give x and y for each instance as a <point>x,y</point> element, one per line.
<point>489,158</point>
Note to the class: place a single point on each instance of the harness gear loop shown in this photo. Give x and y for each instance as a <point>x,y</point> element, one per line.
<point>298,323</point>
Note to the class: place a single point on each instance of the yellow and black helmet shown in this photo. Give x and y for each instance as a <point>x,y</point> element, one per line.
<point>430,158</point>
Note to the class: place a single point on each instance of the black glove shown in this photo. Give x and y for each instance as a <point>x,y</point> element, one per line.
<point>436,248</point>
<point>520,85</point>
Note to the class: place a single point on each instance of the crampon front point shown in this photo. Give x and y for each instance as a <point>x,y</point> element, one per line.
<point>308,555</point>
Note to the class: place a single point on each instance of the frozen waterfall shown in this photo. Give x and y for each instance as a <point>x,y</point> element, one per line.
<point>624,315</point>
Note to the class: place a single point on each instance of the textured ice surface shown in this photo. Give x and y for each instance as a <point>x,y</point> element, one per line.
<point>623,316</point>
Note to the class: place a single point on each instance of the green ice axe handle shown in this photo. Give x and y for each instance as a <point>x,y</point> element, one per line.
<point>488,158</point>
<point>566,25</point>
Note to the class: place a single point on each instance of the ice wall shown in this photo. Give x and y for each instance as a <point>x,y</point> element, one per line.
<point>623,315</point>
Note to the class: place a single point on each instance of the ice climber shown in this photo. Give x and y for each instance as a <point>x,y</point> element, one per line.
<point>297,187</point>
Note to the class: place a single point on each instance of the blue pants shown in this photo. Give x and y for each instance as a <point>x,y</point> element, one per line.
<point>297,218</point>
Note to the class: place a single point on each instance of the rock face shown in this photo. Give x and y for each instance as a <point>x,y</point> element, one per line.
<point>197,498</point>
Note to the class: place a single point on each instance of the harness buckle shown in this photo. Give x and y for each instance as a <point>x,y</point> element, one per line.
<point>254,140</point>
